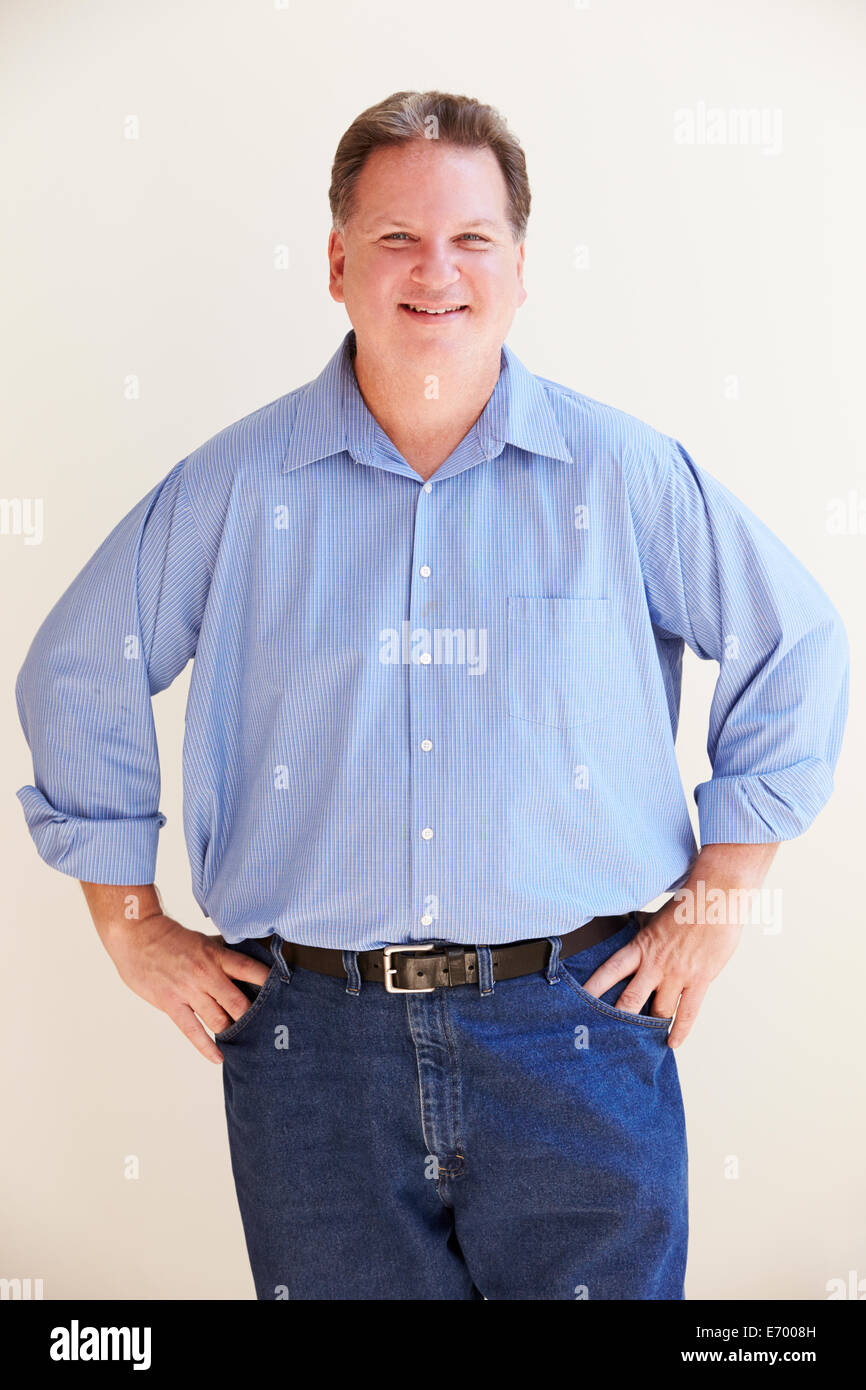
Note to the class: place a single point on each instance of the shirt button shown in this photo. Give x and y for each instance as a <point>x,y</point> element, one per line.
<point>425,658</point>
<point>426,744</point>
<point>426,833</point>
<point>428,487</point>
<point>425,571</point>
<point>426,920</point>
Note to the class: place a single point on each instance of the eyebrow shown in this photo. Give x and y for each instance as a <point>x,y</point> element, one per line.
<point>465,222</point>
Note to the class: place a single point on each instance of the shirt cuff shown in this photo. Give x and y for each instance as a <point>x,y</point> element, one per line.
<point>763,807</point>
<point>119,851</point>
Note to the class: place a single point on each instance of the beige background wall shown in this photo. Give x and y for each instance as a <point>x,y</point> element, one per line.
<point>714,290</point>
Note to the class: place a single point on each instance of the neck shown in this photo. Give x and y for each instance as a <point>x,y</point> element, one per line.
<point>425,412</point>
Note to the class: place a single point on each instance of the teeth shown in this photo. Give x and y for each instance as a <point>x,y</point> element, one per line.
<point>449,310</point>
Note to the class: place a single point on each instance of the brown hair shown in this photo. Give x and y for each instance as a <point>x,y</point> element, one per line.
<point>456,120</point>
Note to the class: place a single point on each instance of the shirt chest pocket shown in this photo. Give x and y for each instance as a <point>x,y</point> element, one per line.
<point>558,660</point>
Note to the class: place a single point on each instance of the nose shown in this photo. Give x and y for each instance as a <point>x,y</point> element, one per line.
<point>435,267</point>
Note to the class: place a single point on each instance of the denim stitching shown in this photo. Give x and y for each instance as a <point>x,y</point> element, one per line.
<point>425,1126</point>
<point>455,1099</point>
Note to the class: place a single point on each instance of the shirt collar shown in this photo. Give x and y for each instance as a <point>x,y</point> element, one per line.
<point>332,416</point>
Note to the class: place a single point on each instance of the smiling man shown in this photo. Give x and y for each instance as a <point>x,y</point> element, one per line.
<point>447,1026</point>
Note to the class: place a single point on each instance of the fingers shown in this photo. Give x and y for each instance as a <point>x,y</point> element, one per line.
<point>242,967</point>
<point>212,998</point>
<point>216,1011</point>
<point>678,985</point>
<point>667,997</point>
<point>185,1019</point>
<point>228,998</point>
<point>213,1013</point>
<point>623,962</point>
<point>225,1003</point>
<point>689,1006</point>
<point>636,993</point>
<point>628,961</point>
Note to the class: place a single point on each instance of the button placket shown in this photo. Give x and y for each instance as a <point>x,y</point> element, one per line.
<point>423,689</point>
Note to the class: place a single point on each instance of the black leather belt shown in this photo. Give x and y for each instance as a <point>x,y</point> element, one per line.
<point>418,967</point>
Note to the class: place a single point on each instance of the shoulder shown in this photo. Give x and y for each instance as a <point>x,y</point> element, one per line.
<point>256,441</point>
<point>629,447</point>
<point>231,466</point>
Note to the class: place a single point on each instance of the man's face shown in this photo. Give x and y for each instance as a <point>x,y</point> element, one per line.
<point>429,228</point>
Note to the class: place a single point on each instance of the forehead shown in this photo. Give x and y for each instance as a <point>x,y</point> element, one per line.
<point>427,177</point>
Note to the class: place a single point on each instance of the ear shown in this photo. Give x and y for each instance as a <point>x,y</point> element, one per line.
<point>336,263</point>
<point>521,257</point>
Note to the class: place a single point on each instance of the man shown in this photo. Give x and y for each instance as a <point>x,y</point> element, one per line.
<point>437,607</point>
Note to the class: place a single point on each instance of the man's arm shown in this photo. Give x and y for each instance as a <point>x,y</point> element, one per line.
<point>719,579</point>
<point>123,630</point>
<point>716,577</point>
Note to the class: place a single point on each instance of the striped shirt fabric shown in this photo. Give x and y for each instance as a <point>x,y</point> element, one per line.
<point>430,710</point>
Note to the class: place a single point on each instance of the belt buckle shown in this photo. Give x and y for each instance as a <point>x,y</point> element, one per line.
<point>390,969</point>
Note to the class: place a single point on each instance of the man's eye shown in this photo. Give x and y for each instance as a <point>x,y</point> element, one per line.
<point>465,236</point>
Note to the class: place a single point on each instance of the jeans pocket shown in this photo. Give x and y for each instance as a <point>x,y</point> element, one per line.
<point>257,995</point>
<point>577,969</point>
<point>601,1005</point>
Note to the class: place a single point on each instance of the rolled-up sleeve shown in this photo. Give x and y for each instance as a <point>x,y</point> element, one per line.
<point>719,579</point>
<point>123,630</point>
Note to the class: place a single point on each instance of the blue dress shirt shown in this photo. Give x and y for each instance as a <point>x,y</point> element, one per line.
<point>430,710</point>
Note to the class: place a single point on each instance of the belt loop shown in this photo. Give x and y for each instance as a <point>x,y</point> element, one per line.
<point>283,966</point>
<point>485,969</point>
<point>456,964</point>
<point>350,965</point>
<point>552,971</point>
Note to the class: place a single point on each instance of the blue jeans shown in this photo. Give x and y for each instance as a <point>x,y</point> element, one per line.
<point>516,1140</point>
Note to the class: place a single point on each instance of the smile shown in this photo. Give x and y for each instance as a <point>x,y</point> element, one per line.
<point>446,311</point>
